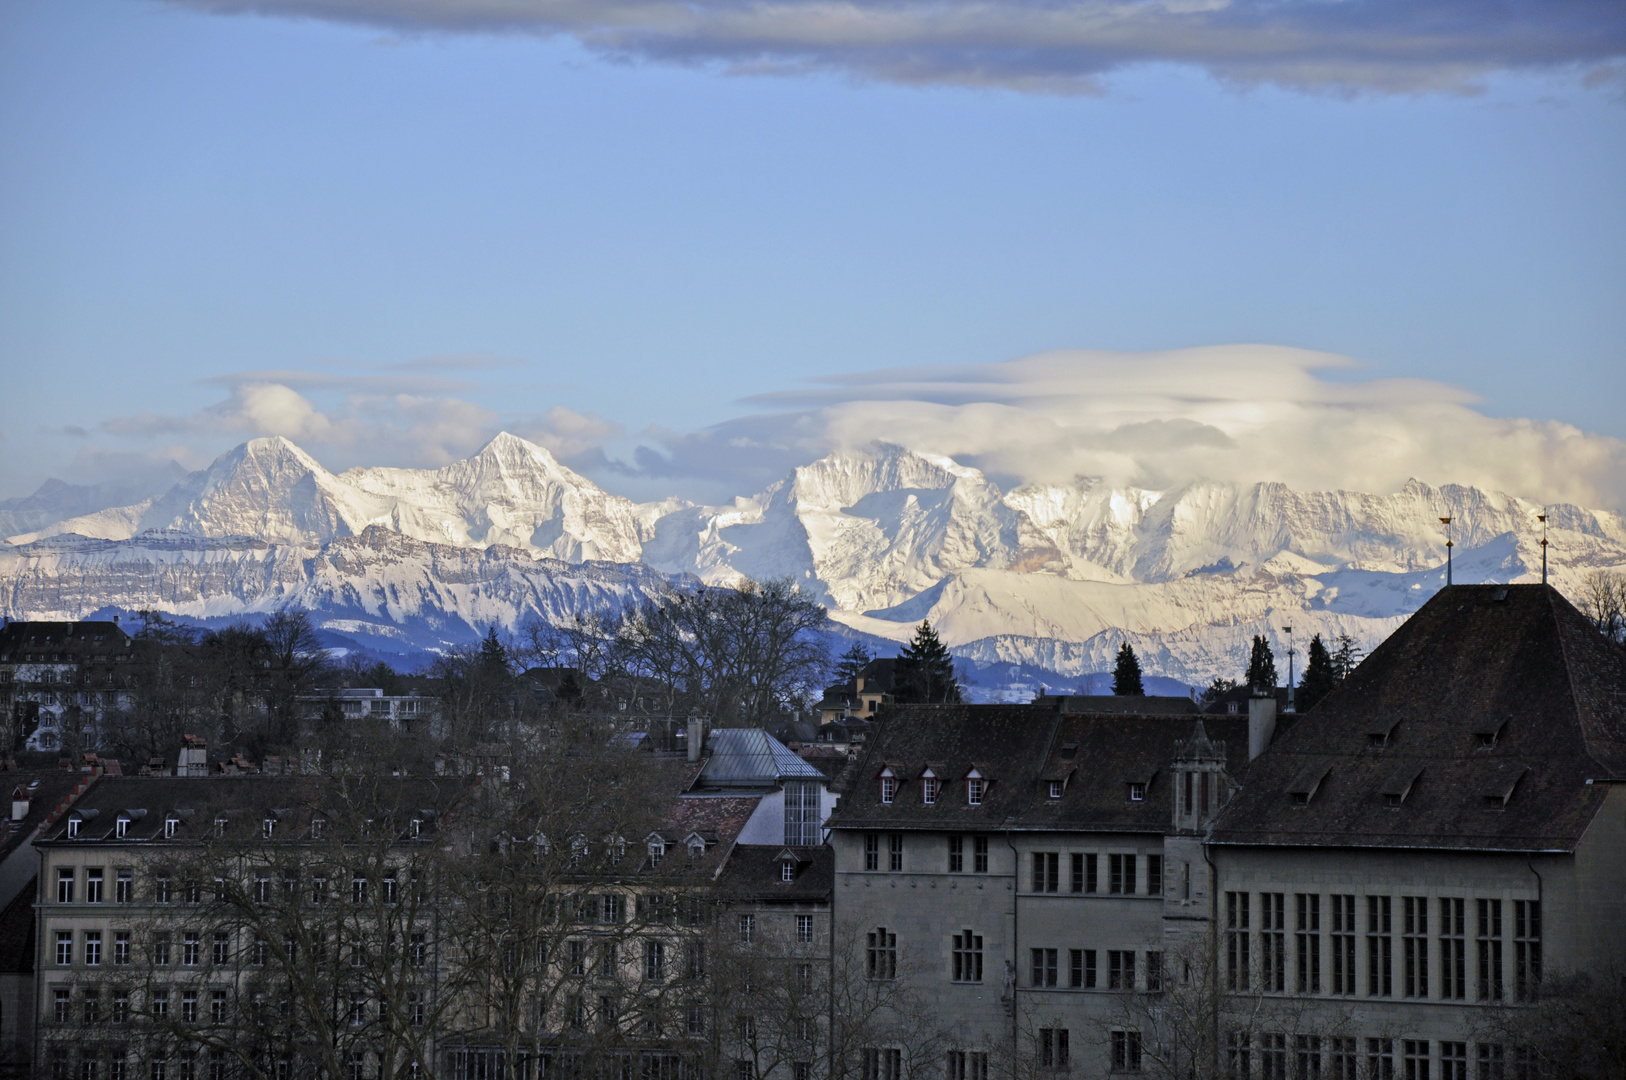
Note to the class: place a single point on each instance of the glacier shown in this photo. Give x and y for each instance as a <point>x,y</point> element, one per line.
<point>1050,577</point>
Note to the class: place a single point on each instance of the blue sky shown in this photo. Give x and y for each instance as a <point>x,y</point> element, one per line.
<point>389,238</point>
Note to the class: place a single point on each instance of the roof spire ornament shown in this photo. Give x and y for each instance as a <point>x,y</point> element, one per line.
<point>1448,545</point>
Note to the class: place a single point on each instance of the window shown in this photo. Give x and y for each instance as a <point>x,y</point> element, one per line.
<point>121,947</point>
<point>93,948</point>
<point>222,947</point>
<point>655,961</point>
<point>64,948</point>
<point>418,950</point>
<point>1083,968</point>
<point>748,929</point>
<point>121,828</point>
<point>1154,971</point>
<point>319,889</point>
<point>1126,1051</point>
<point>612,909</point>
<point>1453,949</point>
<point>1154,875</point>
<point>260,953</point>
<point>746,1026</point>
<point>64,885</point>
<point>1272,942</point>
<point>417,1009</point>
<point>124,888</point>
<point>872,851</point>
<point>189,1006</point>
<point>1054,1052</point>
<point>93,885</point>
<point>802,818</point>
<point>1273,1056</point>
<point>967,1065</point>
<point>1453,1061</point>
<point>578,958</point>
<point>889,786</point>
<point>1414,1058</point>
<point>161,889</point>
<point>358,1010</point>
<point>1076,876</point>
<point>1054,790</point>
<point>62,1002</point>
<point>121,1007</point>
<point>1492,1062</point>
<point>929,787</point>
<point>881,1064</point>
<point>882,954</point>
<point>1526,948</point>
<point>73,828</point>
<point>804,929</point>
<point>191,949</point>
<point>1120,969</point>
<point>1091,877</point>
<point>1046,871</point>
<point>1490,950</point>
<point>1379,947</point>
<point>160,948</point>
<point>1238,1046</point>
<point>1343,944</point>
<point>1307,933</point>
<point>160,1003</point>
<point>967,952</point>
<point>1137,792</point>
<point>1414,945</point>
<point>1043,972</point>
<point>956,854</point>
<point>895,853</point>
<point>1307,1057</point>
<point>787,870</point>
<point>975,786</point>
<point>217,1007</point>
<point>1236,941</point>
<point>358,888</point>
<point>694,1020</point>
<point>170,825</point>
<point>1121,874</point>
<point>979,847</point>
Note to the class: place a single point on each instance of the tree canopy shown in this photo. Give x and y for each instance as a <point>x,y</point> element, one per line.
<point>924,673</point>
<point>1261,665</point>
<point>1320,677</point>
<point>1126,673</point>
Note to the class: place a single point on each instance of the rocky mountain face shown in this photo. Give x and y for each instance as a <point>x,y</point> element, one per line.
<point>1051,577</point>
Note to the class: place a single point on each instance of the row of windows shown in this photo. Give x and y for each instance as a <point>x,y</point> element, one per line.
<point>1279,1056</point>
<point>1088,872</point>
<point>200,1006</point>
<point>1430,962</point>
<point>318,889</point>
<point>931,787</point>
<point>193,950</point>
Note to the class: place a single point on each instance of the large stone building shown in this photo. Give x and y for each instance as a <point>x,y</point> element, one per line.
<point>58,680</point>
<point>1429,842</point>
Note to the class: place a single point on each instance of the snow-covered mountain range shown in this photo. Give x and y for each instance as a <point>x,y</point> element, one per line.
<point>1052,577</point>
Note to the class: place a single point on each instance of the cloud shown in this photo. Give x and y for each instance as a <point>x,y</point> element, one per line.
<point>566,433</point>
<point>1043,46</point>
<point>1241,413</point>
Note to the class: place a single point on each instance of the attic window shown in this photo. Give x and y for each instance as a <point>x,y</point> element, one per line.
<point>415,827</point>
<point>220,826</point>
<point>1232,707</point>
<point>170,825</point>
<point>697,848</point>
<point>929,786</point>
<point>787,870</point>
<point>268,828</point>
<point>1488,734</point>
<point>1137,792</point>
<point>1400,784</point>
<point>1308,781</point>
<point>121,827</point>
<point>1055,789</point>
<point>318,827</point>
<point>657,852</point>
<point>975,786</point>
<point>1379,738</point>
<point>1498,791</point>
<point>889,786</point>
<point>73,828</point>
<point>1069,750</point>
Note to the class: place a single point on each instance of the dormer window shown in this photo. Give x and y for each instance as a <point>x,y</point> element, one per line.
<point>929,785</point>
<point>1054,789</point>
<point>1382,736</point>
<point>787,870</point>
<point>318,828</point>
<point>975,788</point>
<point>171,823</point>
<point>657,852</point>
<point>1305,785</point>
<point>220,826</point>
<point>1137,792</point>
<point>1487,735</point>
<point>121,827</point>
<point>415,828</point>
<point>1400,784</point>
<point>268,828</point>
<point>697,849</point>
<point>73,828</point>
<point>889,786</point>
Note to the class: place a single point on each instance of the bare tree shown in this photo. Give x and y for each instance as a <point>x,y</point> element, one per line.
<point>1574,1027</point>
<point>1603,601</point>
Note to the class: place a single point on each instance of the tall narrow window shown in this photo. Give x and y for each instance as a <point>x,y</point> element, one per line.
<point>1273,942</point>
<point>895,852</point>
<point>1343,944</point>
<point>1121,874</point>
<point>1414,1059</point>
<point>1154,875</point>
<point>979,850</point>
<point>1414,945</point>
<point>974,788</point>
<point>956,854</point>
<point>1379,947</point>
<point>124,888</point>
<point>1453,949</point>
<point>1236,941</point>
<point>1092,879</point>
<point>872,851</point>
<point>1307,934</point>
<point>1043,972</point>
<point>889,786</point>
<point>1054,1051</point>
<point>93,885</point>
<point>802,814</point>
<point>64,885</point>
<point>882,954</point>
<point>1077,875</point>
<point>929,786</point>
<point>1046,870</point>
<point>967,957</point>
<point>1490,950</point>
<point>1526,948</point>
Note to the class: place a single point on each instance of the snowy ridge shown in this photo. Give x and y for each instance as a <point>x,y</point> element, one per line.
<point>1051,576</point>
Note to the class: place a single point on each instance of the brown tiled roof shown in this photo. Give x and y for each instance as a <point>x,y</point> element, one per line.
<point>1513,666</point>
<point>1021,747</point>
<point>753,872</point>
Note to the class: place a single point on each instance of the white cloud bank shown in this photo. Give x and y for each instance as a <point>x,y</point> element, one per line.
<point>1046,46</point>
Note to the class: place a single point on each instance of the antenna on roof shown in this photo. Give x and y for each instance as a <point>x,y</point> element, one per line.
<point>1542,517</point>
<point>1448,545</point>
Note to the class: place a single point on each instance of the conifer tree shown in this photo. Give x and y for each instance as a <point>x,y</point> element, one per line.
<point>1320,677</point>
<point>852,662</point>
<point>1346,657</point>
<point>1126,673</point>
<point>924,672</point>
<point>1261,665</point>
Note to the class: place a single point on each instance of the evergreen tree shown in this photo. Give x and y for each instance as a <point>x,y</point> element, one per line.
<point>1320,677</point>
<point>1346,657</point>
<point>1217,689</point>
<point>1126,673</point>
<point>1261,665</point>
<point>852,662</point>
<point>493,654</point>
<point>925,671</point>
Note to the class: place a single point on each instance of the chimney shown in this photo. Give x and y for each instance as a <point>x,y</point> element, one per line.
<point>19,803</point>
<point>696,736</point>
<point>1261,721</point>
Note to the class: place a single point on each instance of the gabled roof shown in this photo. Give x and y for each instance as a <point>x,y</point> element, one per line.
<point>1514,661</point>
<point>750,757</point>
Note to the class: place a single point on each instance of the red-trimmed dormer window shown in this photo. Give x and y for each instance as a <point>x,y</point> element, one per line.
<point>889,786</point>
<point>929,786</point>
<point>975,787</point>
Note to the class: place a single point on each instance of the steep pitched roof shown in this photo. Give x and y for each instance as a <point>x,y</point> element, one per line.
<point>750,757</point>
<point>753,871</point>
<point>1477,724</point>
